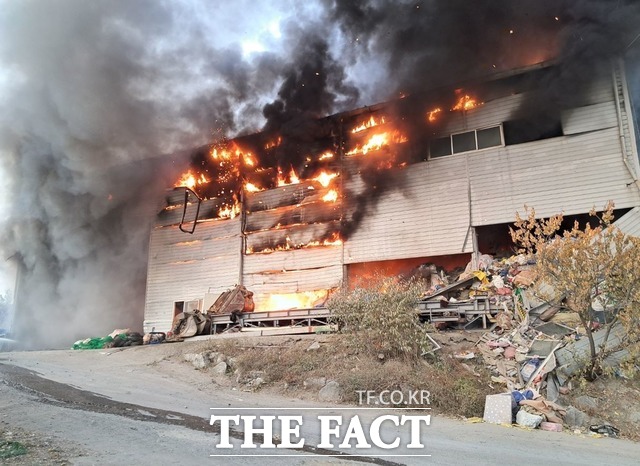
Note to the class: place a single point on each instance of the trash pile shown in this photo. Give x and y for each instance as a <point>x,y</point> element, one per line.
<point>116,339</point>
<point>531,348</point>
<point>493,291</point>
<point>121,338</point>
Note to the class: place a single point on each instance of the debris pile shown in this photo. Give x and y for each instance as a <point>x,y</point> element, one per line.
<point>530,347</point>
<point>116,339</point>
<point>490,293</point>
<point>190,323</point>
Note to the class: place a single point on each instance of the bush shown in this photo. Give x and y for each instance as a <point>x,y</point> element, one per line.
<point>382,318</point>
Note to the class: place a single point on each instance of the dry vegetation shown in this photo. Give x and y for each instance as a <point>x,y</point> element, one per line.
<point>595,268</point>
<point>454,390</point>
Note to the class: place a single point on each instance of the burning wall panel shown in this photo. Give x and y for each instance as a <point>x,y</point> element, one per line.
<point>173,214</point>
<point>292,215</point>
<point>293,237</point>
<point>507,107</point>
<point>280,197</point>
<point>494,111</point>
<point>290,274</point>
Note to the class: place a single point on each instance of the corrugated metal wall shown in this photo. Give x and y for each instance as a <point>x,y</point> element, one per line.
<point>429,216</point>
<point>570,174</point>
<point>290,216</point>
<point>183,267</point>
<point>629,223</point>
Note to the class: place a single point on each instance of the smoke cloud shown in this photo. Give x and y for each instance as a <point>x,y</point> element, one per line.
<point>96,96</point>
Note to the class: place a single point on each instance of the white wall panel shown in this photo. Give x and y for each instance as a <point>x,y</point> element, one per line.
<point>429,216</point>
<point>569,174</point>
<point>183,267</point>
<point>298,259</point>
<point>589,118</point>
<point>629,223</point>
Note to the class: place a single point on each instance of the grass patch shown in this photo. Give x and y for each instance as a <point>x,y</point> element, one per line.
<point>9,449</point>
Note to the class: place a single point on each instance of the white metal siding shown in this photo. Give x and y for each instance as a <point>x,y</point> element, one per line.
<point>183,267</point>
<point>569,174</point>
<point>589,118</point>
<point>429,216</point>
<point>629,223</point>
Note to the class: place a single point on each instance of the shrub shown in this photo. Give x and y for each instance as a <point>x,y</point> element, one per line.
<point>382,318</point>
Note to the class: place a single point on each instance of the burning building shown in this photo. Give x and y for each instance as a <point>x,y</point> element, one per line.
<point>428,178</point>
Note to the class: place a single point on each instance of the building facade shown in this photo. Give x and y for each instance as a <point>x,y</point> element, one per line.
<point>435,190</point>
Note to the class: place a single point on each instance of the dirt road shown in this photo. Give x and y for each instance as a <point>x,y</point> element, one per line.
<point>144,405</point>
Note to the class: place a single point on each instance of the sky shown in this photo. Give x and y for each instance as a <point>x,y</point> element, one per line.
<point>99,99</point>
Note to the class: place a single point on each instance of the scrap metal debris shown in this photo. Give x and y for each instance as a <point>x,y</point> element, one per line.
<point>530,347</point>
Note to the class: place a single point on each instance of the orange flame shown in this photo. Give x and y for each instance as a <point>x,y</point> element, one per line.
<point>378,141</point>
<point>325,178</point>
<point>293,178</point>
<point>465,102</point>
<point>300,300</point>
<point>325,156</point>
<point>272,144</point>
<point>370,123</point>
<point>189,180</point>
<point>252,188</point>
<point>433,114</point>
<point>333,240</point>
<point>229,211</point>
<point>233,153</point>
<point>331,196</point>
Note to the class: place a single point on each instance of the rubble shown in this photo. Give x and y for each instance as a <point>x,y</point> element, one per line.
<point>531,348</point>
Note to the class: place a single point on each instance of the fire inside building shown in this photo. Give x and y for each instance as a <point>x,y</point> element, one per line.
<point>434,178</point>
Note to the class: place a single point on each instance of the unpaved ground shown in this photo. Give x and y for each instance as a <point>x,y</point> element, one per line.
<point>145,405</point>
